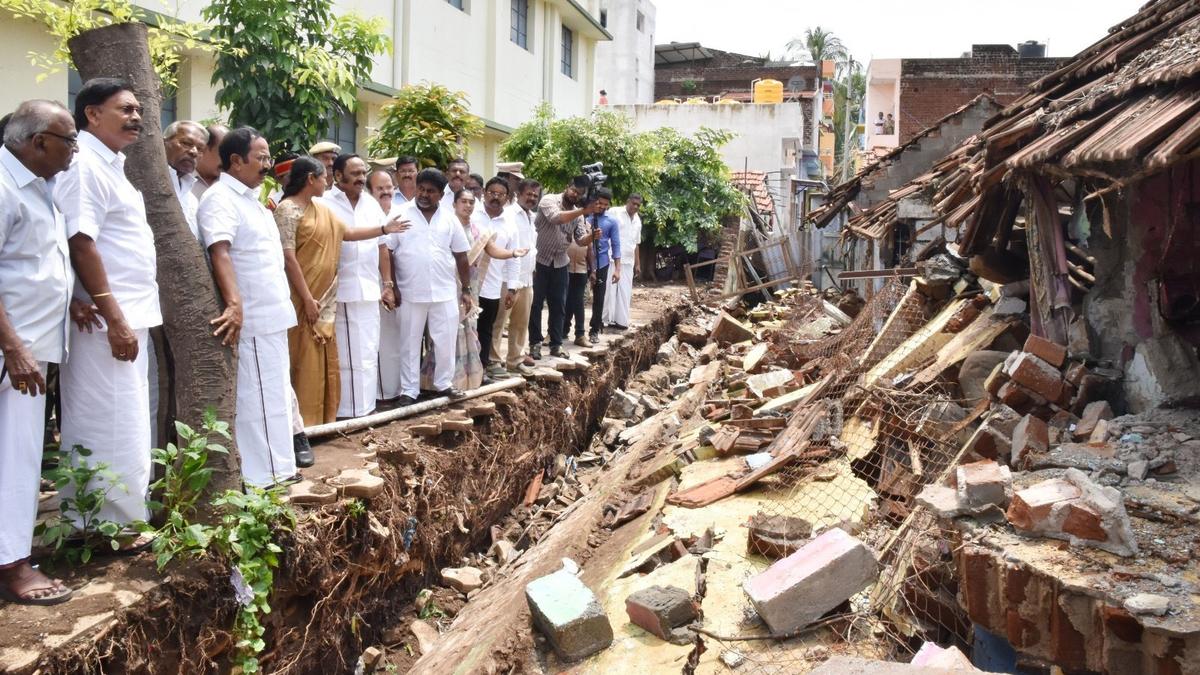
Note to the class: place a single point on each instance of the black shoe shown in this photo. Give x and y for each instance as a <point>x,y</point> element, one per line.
<point>405,401</point>
<point>618,327</point>
<point>304,453</point>
<point>451,392</point>
<point>535,352</point>
<point>594,337</point>
<point>556,352</point>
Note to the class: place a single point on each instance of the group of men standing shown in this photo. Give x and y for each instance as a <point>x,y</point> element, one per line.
<point>78,277</point>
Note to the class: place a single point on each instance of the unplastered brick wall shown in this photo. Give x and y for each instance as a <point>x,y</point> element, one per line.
<point>725,72</point>
<point>933,88</point>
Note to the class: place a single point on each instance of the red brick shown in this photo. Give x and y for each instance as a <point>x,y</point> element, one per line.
<point>659,610</point>
<point>1092,413</point>
<point>1031,436</point>
<point>1035,374</point>
<point>1075,373</point>
<point>1032,505</point>
<point>1050,352</point>
<point>1013,395</point>
<point>1084,522</point>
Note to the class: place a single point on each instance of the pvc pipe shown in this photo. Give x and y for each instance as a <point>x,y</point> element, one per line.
<point>359,423</point>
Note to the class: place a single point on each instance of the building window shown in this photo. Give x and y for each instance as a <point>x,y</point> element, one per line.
<point>343,130</point>
<point>568,52</point>
<point>641,22</point>
<point>458,4</point>
<point>168,113</point>
<point>520,23</point>
<point>604,18</point>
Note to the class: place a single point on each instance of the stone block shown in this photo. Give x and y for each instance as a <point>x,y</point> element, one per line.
<point>1035,375</point>
<point>776,536</point>
<point>1030,436</point>
<point>692,335</point>
<point>357,483</point>
<point>1046,350</point>
<point>1092,413</point>
<point>983,483</point>
<point>662,611</point>
<point>729,330</point>
<point>462,579</point>
<point>568,614</point>
<point>798,589</point>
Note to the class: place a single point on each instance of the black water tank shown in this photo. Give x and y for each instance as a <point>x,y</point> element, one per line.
<point>1032,49</point>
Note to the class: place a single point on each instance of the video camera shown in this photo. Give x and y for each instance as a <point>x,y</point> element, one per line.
<point>594,172</point>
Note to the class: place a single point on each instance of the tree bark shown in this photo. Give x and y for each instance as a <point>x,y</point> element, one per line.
<point>205,371</point>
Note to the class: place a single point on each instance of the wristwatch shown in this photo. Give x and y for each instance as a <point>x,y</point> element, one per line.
<point>389,284</point>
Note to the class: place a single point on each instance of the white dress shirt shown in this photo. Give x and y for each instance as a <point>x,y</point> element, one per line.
<point>526,238</point>
<point>423,255</point>
<point>358,264</point>
<point>97,200</point>
<point>230,211</point>
<point>35,266</point>
<point>184,185</point>
<point>630,231</point>
<point>499,272</point>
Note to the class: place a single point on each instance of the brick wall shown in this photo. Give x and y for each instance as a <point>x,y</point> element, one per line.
<point>933,88</point>
<point>725,72</point>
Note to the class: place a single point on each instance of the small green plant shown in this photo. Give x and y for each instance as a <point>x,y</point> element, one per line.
<point>689,86</point>
<point>431,611</point>
<point>77,531</point>
<point>355,508</point>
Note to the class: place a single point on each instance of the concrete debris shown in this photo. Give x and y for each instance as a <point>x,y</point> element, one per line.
<point>1163,370</point>
<point>623,405</point>
<point>1147,604</point>
<point>462,579</point>
<point>369,659</point>
<point>568,614</point>
<point>729,330</point>
<point>667,350</point>
<point>663,612</point>
<point>690,334</point>
<point>769,384</point>
<point>982,484</point>
<point>930,655</point>
<point>797,590</point>
<point>1077,510</point>
<point>426,635</point>
<point>776,536</point>
<point>504,551</point>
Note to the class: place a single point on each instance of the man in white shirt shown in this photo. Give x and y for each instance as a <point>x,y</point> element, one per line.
<point>379,184</point>
<point>389,319</point>
<point>35,289</point>
<point>426,260</point>
<point>185,142</point>
<point>457,172</point>
<point>521,211</point>
<point>247,260</point>
<point>358,291</point>
<point>104,388</point>
<point>500,277</point>
<point>619,298</point>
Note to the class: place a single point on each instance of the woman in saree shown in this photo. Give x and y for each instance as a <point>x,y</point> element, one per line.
<point>312,239</point>
<point>468,367</point>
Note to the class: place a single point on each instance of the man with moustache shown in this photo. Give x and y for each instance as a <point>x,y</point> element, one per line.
<point>35,288</point>
<point>389,319</point>
<point>358,286</point>
<point>500,278</point>
<point>325,152</point>
<point>104,387</point>
<point>185,142</point>
<point>426,260</point>
<point>379,184</point>
<point>208,167</point>
<point>405,180</point>
<point>457,173</point>
<point>247,260</point>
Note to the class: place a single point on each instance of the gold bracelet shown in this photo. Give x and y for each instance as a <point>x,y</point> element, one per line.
<point>101,295</point>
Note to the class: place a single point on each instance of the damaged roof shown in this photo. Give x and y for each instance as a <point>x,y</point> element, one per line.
<point>754,184</point>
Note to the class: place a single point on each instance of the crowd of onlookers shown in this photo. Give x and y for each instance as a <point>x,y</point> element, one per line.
<point>345,283</point>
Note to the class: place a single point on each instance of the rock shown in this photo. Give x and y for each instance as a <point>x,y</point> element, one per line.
<point>729,330</point>
<point>358,483</point>
<point>568,614</point>
<point>309,492</point>
<point>692,335</point>
<point>662,611</point>
<point>1147,604</point>
<point>423,598</point>
<point>504,551</point>
<point>370,658</point>
<point>1050,352</point>
<point>622,405</point>
<point>983,483</point>
<point>1138,469</point>
<point>776,536</point>
<point>798,589</point>
<point>942,500</point>
<point>666,351</point>
<point>974,372</point>
<point>426,635</point>
<point>732,659</point>
<point>1009,307</point>
<point>462,579</point>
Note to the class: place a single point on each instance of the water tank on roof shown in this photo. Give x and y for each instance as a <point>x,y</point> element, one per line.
<point>696,100</point>
<point>728,101</point>
<point>767,91</point>
<point>666,101</point>
<point>1031,49</point>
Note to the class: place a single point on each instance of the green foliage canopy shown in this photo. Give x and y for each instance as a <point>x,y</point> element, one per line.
<point>291,65</point>
<point>427,121</point>
<point>683,179</point>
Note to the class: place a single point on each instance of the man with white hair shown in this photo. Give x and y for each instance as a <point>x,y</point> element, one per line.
<point>185,141</point>
<point>35,289</point>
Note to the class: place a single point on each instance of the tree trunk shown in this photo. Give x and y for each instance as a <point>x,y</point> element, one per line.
<point>205,371</point>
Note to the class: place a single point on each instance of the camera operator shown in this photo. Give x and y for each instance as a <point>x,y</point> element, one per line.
<point>560,220</point>
<point>604,254</point>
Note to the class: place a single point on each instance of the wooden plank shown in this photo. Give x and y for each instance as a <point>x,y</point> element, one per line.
<point>879,274</point>
<point>978,334</point>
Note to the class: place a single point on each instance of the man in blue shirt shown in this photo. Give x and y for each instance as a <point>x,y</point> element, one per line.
<point>604,254</point>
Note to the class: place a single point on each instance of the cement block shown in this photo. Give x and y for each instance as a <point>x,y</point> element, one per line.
<point>568,614</point>
<point>826,572</point>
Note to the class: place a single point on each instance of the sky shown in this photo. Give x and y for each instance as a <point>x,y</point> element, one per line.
<point>901,28</point>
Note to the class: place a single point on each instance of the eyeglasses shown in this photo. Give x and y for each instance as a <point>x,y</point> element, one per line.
<point>129,110</point>
<point>497,194</point>
<point>71,141</point>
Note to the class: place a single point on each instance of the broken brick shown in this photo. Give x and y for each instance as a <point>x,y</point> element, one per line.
<point>568,614</point>
<point>1083,521</point>
<point>1013,395</point>
<point>661,610</point>
<point>1035,375</point>
<point>776,536</point>
<point>983,483</point>
<point>1030,508</point>
<point>995,380</point>
<point>462,579</point>
<point>729,330</point>
<point>798,589</point>
<point>1092,414</point>
<point>1030,436</point>
<point>1046,350</point>
<point>692,335</point>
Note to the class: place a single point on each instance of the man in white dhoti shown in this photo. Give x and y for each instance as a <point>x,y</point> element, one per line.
<point>105,395</point>
<point>247,260</point>
<point>619,297</point>
<point>389,319</point>
<point>433,278</point>
<point>359,281</point>
<point>35,289</point>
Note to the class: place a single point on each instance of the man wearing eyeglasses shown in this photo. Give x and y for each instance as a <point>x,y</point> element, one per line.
<point>35,288</point>
<point>105,395</point>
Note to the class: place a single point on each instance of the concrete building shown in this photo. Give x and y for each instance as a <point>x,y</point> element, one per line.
<point>918,92</point>
<point>509,56</point>
<point>625,64</point>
